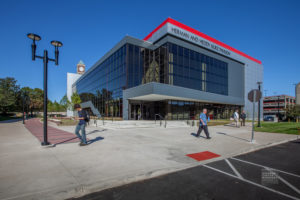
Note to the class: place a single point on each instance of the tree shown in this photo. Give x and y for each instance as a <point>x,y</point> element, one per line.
<point>27,93</point>
<point>293,112</point>
<point>50,106</point>
<point>36,98</point>
<point>65,103</point>
<point>56,106</point>
<point>8,94</point>
<point>75,99</point>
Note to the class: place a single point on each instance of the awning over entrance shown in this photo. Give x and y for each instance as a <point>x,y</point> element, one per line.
<point>159,92</point>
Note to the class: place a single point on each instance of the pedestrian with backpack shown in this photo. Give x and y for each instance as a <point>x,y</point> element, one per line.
<point>83,119</point>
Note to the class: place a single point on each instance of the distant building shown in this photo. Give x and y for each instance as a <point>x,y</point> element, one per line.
<point>72,78</point>
<point>297,94</point>
<point>276,105</point>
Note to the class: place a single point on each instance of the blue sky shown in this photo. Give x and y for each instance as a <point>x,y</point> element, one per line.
<point>266,30</point>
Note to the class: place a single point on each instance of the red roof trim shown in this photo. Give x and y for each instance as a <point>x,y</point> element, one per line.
<point>194,31</point>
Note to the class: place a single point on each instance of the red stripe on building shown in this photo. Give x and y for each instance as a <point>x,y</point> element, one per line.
<point>194,31</point>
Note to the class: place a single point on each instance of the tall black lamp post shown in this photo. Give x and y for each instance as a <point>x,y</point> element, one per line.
<point>23,103</point>
<point>259,88</point>
<point>45,59</point>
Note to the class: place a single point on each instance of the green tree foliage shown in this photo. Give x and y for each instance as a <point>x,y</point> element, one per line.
<point>12,98</point>
<point>65,103</point>
<point>8,94</point>
<point>293,112</point>
<point>75,99</point>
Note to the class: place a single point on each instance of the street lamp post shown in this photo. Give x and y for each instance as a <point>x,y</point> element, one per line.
<point>45,59</point>
<point>23,108</point>
<point>278,108</point>
<point>24,99</point>
<point>259,88</point>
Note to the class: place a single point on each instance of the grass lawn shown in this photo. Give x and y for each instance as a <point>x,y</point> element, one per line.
<point>218,122</point>
<point>281,127</point>
<point>68,122</point>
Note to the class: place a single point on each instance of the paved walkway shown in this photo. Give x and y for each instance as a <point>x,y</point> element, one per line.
<point>270,173</point>
<point>113,158</point>
<point>55,136</point>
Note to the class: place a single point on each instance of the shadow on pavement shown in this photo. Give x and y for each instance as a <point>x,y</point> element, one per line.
<point>220,133</point>
<point>95,131</point>
<point>232,124</point>
<point>12,120</point>
<point>195,135</point>
<point>95,140</point>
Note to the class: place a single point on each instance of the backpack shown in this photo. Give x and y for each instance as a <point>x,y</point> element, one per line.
<point>86,116</point>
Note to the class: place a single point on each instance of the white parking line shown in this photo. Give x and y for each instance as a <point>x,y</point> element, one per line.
<point>234,169</point>
<point>253,183</point>
<point>283,180</point>
<point>251,163</point>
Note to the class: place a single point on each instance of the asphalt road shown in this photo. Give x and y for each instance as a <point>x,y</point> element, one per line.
<point>270,173</point>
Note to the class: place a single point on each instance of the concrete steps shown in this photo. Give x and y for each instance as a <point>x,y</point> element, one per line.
<point>128,124</point>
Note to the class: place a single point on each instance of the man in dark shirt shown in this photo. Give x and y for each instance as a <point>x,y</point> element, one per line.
<point>243,118</point>
<point>81,124</point>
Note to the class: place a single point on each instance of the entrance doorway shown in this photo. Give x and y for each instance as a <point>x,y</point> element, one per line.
<point>145,110</point>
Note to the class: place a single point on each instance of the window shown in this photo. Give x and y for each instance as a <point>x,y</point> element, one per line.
<point>194,70</point>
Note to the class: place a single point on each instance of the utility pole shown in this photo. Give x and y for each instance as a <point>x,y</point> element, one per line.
<point>259,88</point>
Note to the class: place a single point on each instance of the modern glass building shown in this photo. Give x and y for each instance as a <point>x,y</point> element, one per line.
<point>174,72</point>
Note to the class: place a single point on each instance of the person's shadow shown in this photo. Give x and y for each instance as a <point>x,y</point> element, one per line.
<point>195,135</point>
<point>95,140</point>
<point>95,131</point>
<point>220,133</point>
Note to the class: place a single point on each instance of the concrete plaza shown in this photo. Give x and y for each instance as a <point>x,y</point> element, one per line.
<point>114,157</point>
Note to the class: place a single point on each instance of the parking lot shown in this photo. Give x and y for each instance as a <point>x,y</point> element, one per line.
<point>270,173</point>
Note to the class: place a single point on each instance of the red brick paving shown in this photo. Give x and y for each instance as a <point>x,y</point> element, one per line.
<point>55,136</point>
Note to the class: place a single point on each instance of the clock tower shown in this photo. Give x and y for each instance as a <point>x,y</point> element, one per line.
<point>80,67</point>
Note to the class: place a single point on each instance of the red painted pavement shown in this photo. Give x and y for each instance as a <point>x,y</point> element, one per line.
<point>55,136</point>
<point>205,155</point>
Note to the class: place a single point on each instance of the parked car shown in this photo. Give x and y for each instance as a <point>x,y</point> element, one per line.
<point>269,119</point>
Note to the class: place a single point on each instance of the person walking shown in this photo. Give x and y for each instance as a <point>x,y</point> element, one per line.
<point>203,124</point>
<point>82,117</point>
<point>236,118</point>
<point>243,118</point>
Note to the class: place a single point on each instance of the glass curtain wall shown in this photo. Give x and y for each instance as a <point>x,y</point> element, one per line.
<point>145,65</point>
<point>103,86</point>
<point>194,70</point>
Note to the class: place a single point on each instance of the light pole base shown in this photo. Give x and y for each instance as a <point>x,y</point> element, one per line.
<point>45,143</point>
<point>253,142</point>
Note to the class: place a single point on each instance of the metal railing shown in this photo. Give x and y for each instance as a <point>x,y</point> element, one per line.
<point>160,120</point>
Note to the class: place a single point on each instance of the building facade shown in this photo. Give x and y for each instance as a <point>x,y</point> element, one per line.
<point>173,73</point>
<point>297,93</point>
<point>277,105</point>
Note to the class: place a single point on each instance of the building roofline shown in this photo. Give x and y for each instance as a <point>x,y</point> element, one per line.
<point>125,40</point>
<point>196,32</point>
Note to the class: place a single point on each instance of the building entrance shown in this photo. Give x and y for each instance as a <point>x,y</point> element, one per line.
<point>178,110</point>
<point>145,110</point>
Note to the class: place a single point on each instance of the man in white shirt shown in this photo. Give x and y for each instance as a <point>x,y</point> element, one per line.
<point>236,118</point>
